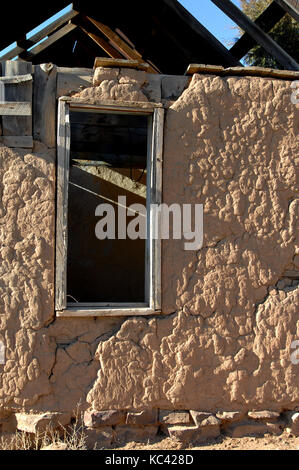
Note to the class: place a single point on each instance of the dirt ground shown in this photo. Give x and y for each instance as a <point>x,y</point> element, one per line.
<point>283,442</point>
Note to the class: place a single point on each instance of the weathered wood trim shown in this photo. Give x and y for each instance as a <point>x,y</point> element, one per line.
<point>24,141</point>
<point>257,33</point>
<point>153,257</point>
<point>63,156</point>
<point>124,107</point>
<point>118,63</point>
<point>70,80</point>
<point>156,201</point>
<point>114,312</point>
<point>16,79</point>
<point>44,105</point>
<point>106,305</point>
<point>148,284</point>
<point>16,108</point>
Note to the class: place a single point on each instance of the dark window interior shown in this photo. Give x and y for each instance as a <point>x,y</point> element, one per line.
<point>108,159</point>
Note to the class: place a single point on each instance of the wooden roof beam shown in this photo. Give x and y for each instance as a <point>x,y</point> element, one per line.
<point>48,42</point>
<point>113,53</point>
<point>119,43</point>
<point>257,34</point>
<point>25,43</point>
<point>266,21</point>
<point>291,7</point>
<point>198,28</point>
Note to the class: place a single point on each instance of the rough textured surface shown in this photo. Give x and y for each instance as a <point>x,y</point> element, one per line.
<point>40,423</point>
<point>135,433</point>
<point>174,417</point>
<point>193,434</point>
<point>224,339</point>
<point>264,415</point>
<point>146,417</point>
<point>99,438</point>
<point>115,84</point>
<point>93,419</point>
<point>254,429</point>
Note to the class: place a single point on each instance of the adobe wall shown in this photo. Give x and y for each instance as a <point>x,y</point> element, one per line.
<point>230,310</point>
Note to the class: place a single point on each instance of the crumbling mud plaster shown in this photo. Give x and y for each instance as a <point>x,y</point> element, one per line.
<point>230,144</point>
<point>230,312</point>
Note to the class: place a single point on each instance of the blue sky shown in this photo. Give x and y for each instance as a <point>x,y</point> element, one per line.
<point>213,19</point>
<point>204,10</point>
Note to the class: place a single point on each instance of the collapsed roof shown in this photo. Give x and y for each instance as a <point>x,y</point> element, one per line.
<point>161,33</point>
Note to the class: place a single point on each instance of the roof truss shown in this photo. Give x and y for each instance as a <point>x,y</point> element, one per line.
<point>78,26</point>
<point>256,32</point>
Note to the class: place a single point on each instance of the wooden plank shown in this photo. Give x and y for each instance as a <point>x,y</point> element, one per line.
<point>125,107</point>
<point>16,108</point>
<point>25,142</point>
<point>115,39</point>
<point>156,190</point>
<point>12,54</point>
<point>16,79</point>
<point>266,21</point>
<point>40,35</point>
<point>103,44</point>
<point>48,42</point>
<point>202,68</point>
<point>52,27</point>
<point>118,63</point>
<point>291,7</point>
<point>148,286</point>
<point>63,158</point>
<point>44,104</point>
<point>70,80</point>
<point>242,71</point>
<point>18,99</point>
<point>106,305</point>
<point>257,34</point>
<point>113,312</point>
<point>120,44</point>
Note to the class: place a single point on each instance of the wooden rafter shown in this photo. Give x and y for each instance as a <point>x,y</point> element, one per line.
<point>111,51</point>
<point>24,44</point>
<point>257,34</point>
<point>291,7</point>
<point>119,43</point>
<point>266,21</point>
<point>48,42</point>
<point>199,29</point>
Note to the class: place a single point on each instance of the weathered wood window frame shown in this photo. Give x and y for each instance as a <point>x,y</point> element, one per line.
<point>154,199</point>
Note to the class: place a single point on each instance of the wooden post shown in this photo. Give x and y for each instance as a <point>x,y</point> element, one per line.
<point>44,104</point>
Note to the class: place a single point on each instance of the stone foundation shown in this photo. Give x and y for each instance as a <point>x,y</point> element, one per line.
<point>105,428</point>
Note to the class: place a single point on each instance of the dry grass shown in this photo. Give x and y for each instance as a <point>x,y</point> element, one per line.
<point>68,438</point>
